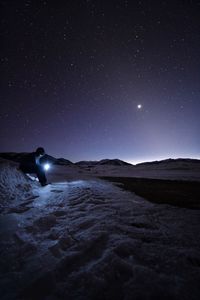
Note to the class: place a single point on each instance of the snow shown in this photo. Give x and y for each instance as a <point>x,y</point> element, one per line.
<point>154,172</point>
<point>84,238</point>
<point>14,187</point>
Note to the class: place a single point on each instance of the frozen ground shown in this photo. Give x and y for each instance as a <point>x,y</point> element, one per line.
<point>151,171</point>
<point>84,238</point>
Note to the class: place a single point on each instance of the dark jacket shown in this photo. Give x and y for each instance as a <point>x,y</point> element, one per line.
<point>30,160</point>
<point>31,163</point>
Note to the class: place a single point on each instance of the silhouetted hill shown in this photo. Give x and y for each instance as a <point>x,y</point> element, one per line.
<point>16,157</point>
<point>63,161</point>
<point>179,163</point>
<point>113,162</point>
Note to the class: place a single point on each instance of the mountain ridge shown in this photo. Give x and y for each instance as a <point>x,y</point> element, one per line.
<point>16,157</point>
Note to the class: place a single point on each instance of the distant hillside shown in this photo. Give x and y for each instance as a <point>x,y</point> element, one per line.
<point>179,163</point>
<point>85,163</point>
<point>63,161</point>
<point>113,162</point>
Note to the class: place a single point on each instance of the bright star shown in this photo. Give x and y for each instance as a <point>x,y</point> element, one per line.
<point>139,106</point>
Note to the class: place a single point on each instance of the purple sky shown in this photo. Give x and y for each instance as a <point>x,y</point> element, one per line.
<point>74,73</point>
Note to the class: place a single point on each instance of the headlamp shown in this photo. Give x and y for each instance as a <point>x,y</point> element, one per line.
<point>46,167</point>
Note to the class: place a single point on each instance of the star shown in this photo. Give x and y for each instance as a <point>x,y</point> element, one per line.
<point>139,106</point>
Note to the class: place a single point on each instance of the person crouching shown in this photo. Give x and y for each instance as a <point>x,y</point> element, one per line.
<point>30,163</point>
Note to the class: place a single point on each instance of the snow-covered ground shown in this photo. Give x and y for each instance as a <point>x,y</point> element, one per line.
<point>146,171</point>
<point>84,238</point>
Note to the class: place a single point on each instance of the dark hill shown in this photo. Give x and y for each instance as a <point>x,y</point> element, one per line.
<point>16,157</point>
<point>179,163</point>
<point>112,162</point>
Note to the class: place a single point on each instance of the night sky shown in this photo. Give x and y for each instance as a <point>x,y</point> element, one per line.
<point>89,80</point>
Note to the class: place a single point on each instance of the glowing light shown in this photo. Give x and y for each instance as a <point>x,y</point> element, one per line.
<point>139,106</point>
<point>47,167</point>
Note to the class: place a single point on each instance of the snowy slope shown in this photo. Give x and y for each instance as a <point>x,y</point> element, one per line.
<point>84,238</point>
<point>14,186</point>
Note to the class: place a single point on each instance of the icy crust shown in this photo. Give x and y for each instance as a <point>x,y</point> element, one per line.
<point>88,239</point>
<point>14,186</point>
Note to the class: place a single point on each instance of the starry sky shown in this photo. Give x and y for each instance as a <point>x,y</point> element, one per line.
<point>89,80</point>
